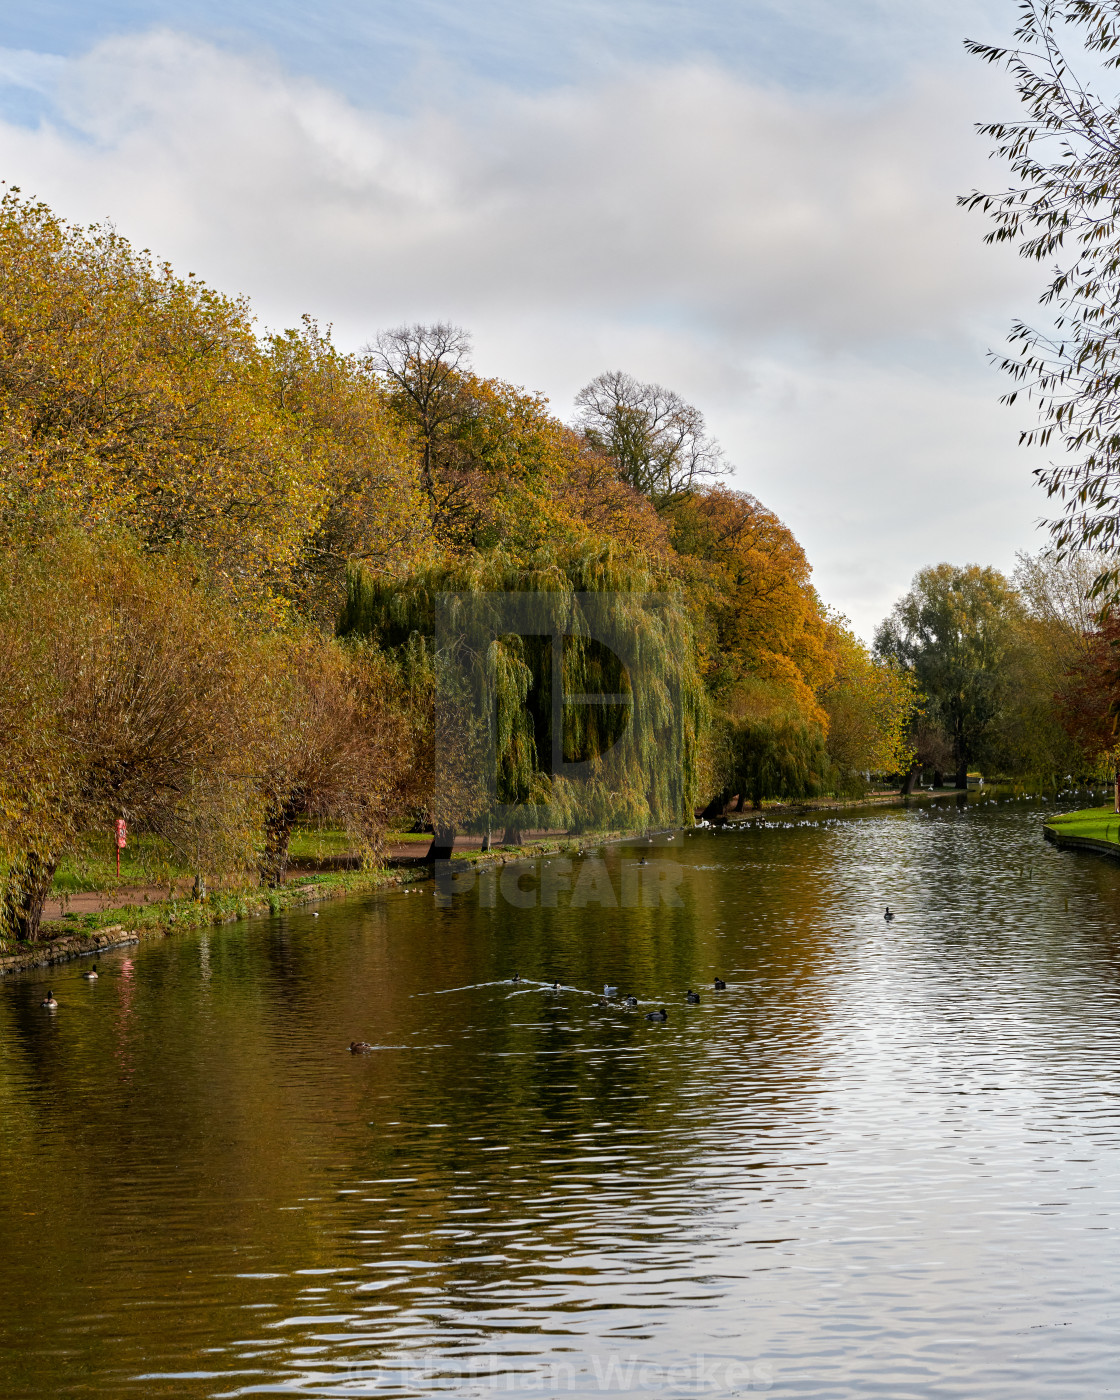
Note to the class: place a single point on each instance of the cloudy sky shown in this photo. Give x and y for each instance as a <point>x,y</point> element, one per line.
<point>750,201</point>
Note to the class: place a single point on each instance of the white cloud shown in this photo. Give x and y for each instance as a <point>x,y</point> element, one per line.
<point>795,265</point>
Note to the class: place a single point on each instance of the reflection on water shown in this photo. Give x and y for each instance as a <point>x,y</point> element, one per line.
<point>883,1162</point>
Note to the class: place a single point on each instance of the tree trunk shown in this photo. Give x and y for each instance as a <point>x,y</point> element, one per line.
<point>938,778</point>
<point>443,843</point>
<point>906,787</point>
<point>715,806</point>
<point>29,883</point>
<point>962,775</point>
<point>273,864</point>
<point>740,801</point>
<point>513,836</point>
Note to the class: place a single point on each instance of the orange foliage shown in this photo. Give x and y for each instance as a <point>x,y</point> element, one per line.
<point>768,634</point>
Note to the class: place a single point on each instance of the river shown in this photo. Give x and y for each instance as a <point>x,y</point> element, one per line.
<point>885,1161</point>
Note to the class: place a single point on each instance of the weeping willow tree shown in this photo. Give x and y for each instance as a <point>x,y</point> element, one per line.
<point>774,757</point>
<point>782,759</point>
<point>564,690</point>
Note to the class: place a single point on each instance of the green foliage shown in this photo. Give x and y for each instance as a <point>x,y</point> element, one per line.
<point>782,759</point>
<point>956,630</point>
<point>505,706</point>
<point>1061,210</point>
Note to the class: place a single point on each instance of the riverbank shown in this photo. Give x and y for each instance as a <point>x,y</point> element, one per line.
<point>842,804</point>
<point>1093,829</point>
<point>81,935</point>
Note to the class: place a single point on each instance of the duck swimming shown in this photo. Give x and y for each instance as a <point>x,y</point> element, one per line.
<point>91,974</point>
<point>360,1047</point>
<point>609,991</point>
<point>661,1015</point>
<point>887,914</point>
<point>631,1001</point>
<point>720,985</point>
<point>49,1001</point>
<point>693,998</point>
<point>516,977</point>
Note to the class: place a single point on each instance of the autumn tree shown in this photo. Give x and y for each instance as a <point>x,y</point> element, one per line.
<point>425,368</point>
<point>145,703</point>
<point>955,630</point>
<point>871,704</point>
<point>658,442</point>
<point>132,397</point>
<point>762,624</point>
<point>1055,636</point>
<point>373,510</point>
<point>336,745</point>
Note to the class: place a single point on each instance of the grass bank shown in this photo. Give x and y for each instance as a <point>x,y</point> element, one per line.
<point>1092,829</point>
<point>77,935</point>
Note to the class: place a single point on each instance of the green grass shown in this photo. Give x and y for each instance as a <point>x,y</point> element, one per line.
<point>311,842</point>
<point>1095,823</point>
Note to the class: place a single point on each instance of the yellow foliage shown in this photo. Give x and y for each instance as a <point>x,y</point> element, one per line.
<point>131,396</point>
<point>870,704</point>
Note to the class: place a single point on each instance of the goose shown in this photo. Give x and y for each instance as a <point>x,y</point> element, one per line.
<point>609,991</point>
<point>887,914</point>
<point>49,1001</point>
<point>91,974</point>
<point>693,998</point>
<point>661,1015</point>
<point>720,985</point>
<point>360,1047</point>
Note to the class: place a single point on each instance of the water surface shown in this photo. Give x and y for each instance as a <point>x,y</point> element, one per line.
<point>884,1162</point>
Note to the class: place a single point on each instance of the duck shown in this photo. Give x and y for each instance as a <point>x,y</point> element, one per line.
<point>360,1047</point>
<point>887,914</point>
<point>643,861</point>
<point>49,1001</point>
<point>693,998</point>
<point>720,985</point>
<point>91,974</point>
<point>661,1015</point>
<point>609,991</point>
<point>631,1002</point>
<point>555,987</point>
<point>516,977</point>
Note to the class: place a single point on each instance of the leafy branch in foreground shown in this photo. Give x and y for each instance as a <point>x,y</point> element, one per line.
<point>1065,205</point>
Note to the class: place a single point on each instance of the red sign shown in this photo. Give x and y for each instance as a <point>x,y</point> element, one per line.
<point>122,833</point>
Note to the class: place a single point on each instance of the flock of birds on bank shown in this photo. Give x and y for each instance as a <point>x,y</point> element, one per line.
<point>627,1003</point>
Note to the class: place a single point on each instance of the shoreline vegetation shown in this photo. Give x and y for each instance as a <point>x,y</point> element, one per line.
<point>226,560</point>
<point>65,938</point>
